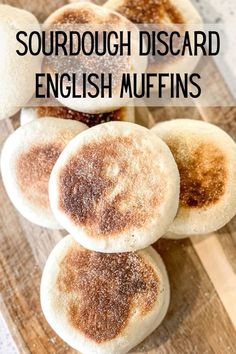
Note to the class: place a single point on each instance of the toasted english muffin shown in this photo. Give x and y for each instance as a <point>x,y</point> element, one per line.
<point>115,188</point>
<point>85,16</point>
<point>17,72</point>
<point>103,303</point>
<point>160,12</point>
<point>40,8</point>
<point>167,15</point>
<point>27,159</point>
<point>122,114</point>
<point>206,158</point>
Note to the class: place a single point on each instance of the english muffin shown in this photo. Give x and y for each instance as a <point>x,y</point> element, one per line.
<point>206,158</point>
<point>103,303</point>
<point>82,17</point>
<point>167,15</point>
<point>115,187</point>
<point>157,12</point>
<point>17,72</point>
<point>41,8</point>
<point>27,159</point>
<point>122,114</point>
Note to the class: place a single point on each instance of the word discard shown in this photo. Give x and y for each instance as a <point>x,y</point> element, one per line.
<point>113,43</point>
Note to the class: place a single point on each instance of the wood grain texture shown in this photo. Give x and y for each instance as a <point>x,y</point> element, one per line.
<point>219,269</point>
<point>217,251</point>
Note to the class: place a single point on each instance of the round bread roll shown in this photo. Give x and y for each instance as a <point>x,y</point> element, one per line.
<point>162,15</point>
<point>156,12</point>
<point>122,114</point>
<point>27,159</point>
<point>115,188</point>
<point>103,303</point>
<point>17,72</point>
<point>41,8</point>
<point>81,17</point>
<point>206,158</point>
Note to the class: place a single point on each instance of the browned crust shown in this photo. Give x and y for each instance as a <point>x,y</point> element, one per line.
<point>150,11</point>
<point>203,172</point>
<point>33,169</point>
<point>74,16</point>
<point>106,288</point>
<point>86,64</point>
<point>87,118</point>
<point>85,186</point>
<point>82,15</point>
<point>161,12</point>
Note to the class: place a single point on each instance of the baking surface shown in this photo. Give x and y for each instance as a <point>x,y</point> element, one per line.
<point>202,313</point>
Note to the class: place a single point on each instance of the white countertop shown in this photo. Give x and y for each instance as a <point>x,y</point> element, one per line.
<point>7,345</point>
<point>212,11</point>
<point>216,11</point>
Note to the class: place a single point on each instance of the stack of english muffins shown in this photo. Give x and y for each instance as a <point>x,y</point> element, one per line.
<point>114,186</point>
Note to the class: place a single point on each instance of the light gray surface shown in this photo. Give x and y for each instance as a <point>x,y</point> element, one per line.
<point>223,11</point>
<point>216,11</point>
<point>6,343</point>
<point>212,11</point>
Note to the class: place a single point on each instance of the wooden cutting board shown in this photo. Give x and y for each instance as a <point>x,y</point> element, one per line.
<point>202,314</point>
